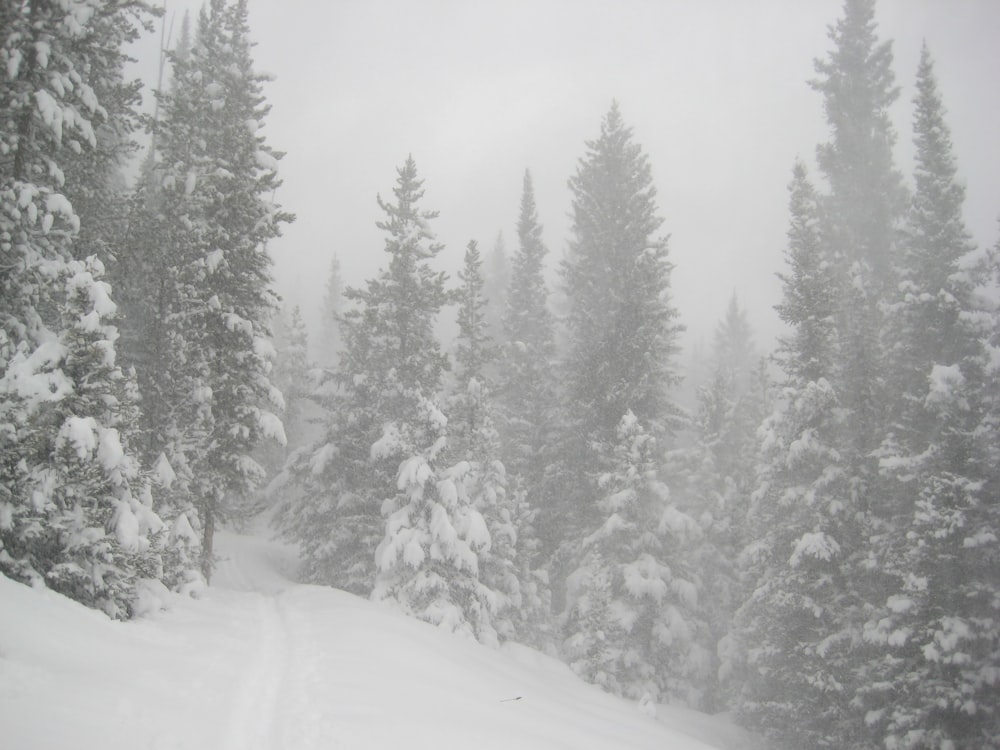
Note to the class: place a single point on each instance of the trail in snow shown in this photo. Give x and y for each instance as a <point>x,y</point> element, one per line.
<point>261,663</point>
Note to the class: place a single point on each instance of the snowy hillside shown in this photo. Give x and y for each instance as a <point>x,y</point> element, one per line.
<point>260,662</point>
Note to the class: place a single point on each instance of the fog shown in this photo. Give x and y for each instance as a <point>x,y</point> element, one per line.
<point>477,92</point>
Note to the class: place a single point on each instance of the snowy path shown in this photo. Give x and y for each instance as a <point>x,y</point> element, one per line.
<point>254,722</point>
<point>261,663</point>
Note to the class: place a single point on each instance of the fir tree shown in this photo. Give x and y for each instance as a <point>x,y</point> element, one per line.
<point>496,278</point>
<point>515,596</point>
<point>621,329</point>
<point>632,621</point>
<point>215,216</point>
<point>714,477</point>
<point>330,343</point>
<point>819,502</point>
<point>75,505</point>
<point>391,367</point>
<point>933,645</point>
<point>291,376</point>
<point>809,291</point>
<point>474,353</point>
<point>526,391</point>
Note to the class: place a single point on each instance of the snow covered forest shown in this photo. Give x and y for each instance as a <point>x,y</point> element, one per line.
<point>805,537</point>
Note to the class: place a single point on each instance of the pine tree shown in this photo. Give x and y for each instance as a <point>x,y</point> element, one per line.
<point>75,505</point>
<point>621,330</point>
<point>474,354</point>
<point>809,290</point>
<point>714,477</point>
<point>789,648</point>
<point>621,327</point>
<point>819,501</point>
<point>214,216</point>
<point>632,622</point>
<point>515,596</point>
<point>934,641</point>
<point>428,560</point>
<point>496,278</point>
<point>330,343</point>
<point>391,367</point>
<point>291,376</point>
<point>526,391</point>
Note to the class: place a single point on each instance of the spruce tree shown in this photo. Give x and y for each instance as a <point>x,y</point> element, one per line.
<point>933,646</point>
<point>809,291</point>
<point>496,277</point>
<point>621,328</point>
<point>798,522</point>
<point>820,501</point>
<point>291,376</point>
<point>621,331</point>
<point>75,504</point>
<point>474,355</point>
<point>214,216</point>
<point>526,390</point>
<point>632,622</point>
<point>712,479</point>
<point>390,370</point>
<point>330,343</point>
<point>514,597</point>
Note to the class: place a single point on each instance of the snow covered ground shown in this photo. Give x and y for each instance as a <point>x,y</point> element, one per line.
<point>260,663</point>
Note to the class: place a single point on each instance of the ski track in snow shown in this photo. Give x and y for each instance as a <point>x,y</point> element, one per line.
<point>262,663</point>
<point>254,721</point>
<point>254,717</point>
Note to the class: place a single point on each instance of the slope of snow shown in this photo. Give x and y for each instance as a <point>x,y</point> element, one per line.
<point>260,663</point>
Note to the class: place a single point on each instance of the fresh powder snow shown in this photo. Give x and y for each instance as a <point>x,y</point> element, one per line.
<point>259,662</point>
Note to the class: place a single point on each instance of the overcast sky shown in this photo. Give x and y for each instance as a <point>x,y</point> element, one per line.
<point>479,90</point>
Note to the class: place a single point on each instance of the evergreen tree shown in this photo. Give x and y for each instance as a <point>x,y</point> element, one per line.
<point>526,391</point>
<point>621,330</point>
<point>621,327</point>
<point>291,377</point>
<point>76,511</point>
<point>496,278</point>
<point>933,644</point>
<point>819,503</point>
<point>789,648</point>
<point>632,621</point>
<point>330,343</point>
<point>866,197</point>
<point>428,560</point>
<point>213,303</point>
<point>515,596</point>
<point>809,291</point>
<point>390,369</point>
<point>714,477</point>
<point>474,353</point>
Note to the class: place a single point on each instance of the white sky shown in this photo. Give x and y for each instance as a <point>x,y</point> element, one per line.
<point>479,90</point>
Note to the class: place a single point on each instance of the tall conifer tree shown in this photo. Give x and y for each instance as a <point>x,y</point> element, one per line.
<point>934,644</point>
<point>76,512</point>
<point>819,502</point>
<point>526,389</point>
<point>621,327</point>
<point>382,391</point>
<point>213,211</point>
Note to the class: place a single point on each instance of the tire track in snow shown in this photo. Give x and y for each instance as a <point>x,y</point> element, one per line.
<point>254,719</point>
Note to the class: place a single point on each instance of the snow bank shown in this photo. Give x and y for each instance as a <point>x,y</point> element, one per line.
<point>259,662</point>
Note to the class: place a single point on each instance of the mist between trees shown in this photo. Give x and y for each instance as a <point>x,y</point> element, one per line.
<point>808,538</point>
